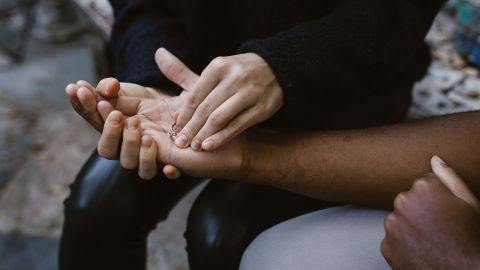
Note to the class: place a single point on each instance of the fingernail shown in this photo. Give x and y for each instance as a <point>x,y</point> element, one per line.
<point>146,142</point>
<point>196,144</point>
<point>82,89</point>
<point>115,118</point>
<point>208,145</point>
<point>181,141</point>
<point>132,124</point>
<point>177,128</point>
<point>440,160</point>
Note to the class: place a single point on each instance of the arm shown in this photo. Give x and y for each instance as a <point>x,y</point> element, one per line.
<point>141,27</point>
<point>365,166</point>
<point>351,52</point>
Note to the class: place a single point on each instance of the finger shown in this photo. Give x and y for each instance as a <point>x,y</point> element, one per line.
<point>192,99</point>
<point>108,87</point>
<point>175,70</point>
<point>171,172</point>
<point>71,91</point>
<point>130,144</point>
<point>233,128</point>
<point>128,105</point>
<point>147,162</point>
<point>90,88</point>
<point>111,136</point>
<point>453,182</point>
<point>220,117</point>
<point>87,85</point>
<point>89,108</point>
<point>104,108</point>
<point>214,99</point>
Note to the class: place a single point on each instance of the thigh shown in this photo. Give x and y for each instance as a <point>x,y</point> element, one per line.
<point>110,212</point>
<point>333,239</point>
<point>227,216</point>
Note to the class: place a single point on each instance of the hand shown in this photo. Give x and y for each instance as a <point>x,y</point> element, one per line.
<point>435,225</point>
<point>154,115</point>
<point>232,94</point>
<point>95,104</point>
<point>88,101</point>
<point>157,147</point>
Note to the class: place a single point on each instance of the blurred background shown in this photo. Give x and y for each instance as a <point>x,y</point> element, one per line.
<point>46,44</point>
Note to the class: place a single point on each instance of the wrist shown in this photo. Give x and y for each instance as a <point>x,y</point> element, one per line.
<point>258,156</point>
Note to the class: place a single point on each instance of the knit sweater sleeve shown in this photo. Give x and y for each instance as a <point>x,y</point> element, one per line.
<point>140,28</point>
<point>355,48</point>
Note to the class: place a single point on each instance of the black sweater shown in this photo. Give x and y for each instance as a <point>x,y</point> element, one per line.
<point>320,51</point>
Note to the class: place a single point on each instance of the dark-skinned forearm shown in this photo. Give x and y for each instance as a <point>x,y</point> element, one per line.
<point>365,166</point>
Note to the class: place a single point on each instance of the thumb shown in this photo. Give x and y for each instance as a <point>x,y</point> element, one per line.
<point>175,70</point>
<point>453,182</point>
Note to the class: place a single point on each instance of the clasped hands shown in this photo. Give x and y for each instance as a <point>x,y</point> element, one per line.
<point>232,94</point>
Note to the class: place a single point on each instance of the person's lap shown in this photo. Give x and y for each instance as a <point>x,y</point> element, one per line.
<point>125,207</point>
<point>337,238</point>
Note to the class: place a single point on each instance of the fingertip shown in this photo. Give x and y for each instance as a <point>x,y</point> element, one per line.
<point>161,51</point>
<point>115,117</point>
<point>181,141</point>
<point>208,145</point>
<point>171,172</point>
<point>81,82</point>
<point>82,91</point>
<point>113,87</point>
<point>438,161</point>
<point>196,144</point>
<point>147,141</point>
<point>70,89</point>
<point>104,108</point>
<point>108,87</point>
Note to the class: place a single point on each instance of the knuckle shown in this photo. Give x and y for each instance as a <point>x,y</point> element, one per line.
<point>219,62</point>
<point>389,222</point>
<point>191,100</point>
<point>239,72</point>
<point>130,140</point>
<point>146,160</point>
<point>216,120</point>
<point>188,131</point>
<point>385,249</point>
<point>421,184</point>
<point>400,200</point>
<point>234,124</point>
<point>204,110</point>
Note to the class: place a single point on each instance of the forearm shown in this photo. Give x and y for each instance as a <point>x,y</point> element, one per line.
<point>365,166</point>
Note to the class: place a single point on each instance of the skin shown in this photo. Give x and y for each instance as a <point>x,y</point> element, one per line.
<point>435,225</point>
<point>152,105</point>
<point>232,94</point>
<point>365,167</point>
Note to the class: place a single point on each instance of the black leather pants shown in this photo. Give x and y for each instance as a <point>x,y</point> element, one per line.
<point>110,211</point>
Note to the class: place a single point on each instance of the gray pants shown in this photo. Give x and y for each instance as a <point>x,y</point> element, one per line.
<point>339,238</point>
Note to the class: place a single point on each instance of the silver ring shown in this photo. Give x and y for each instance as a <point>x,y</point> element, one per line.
<point>172,133</point>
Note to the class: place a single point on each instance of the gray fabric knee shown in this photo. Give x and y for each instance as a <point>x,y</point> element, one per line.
<point>338,238</point>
